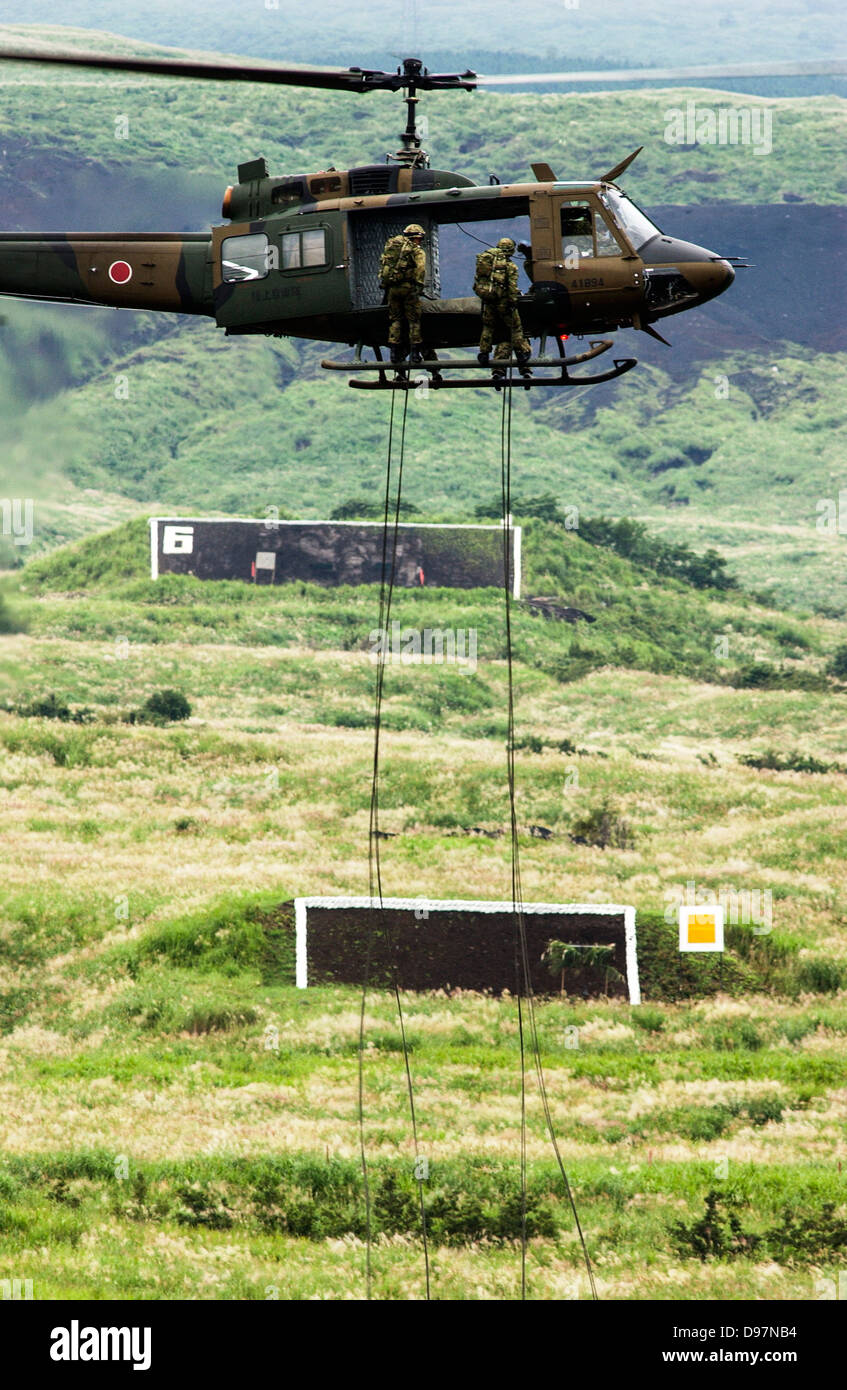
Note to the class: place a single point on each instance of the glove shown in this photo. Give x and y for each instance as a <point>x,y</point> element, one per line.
<point>524,249</point>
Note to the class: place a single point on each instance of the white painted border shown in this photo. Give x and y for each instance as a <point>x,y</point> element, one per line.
<point>153,523</point>
<point>301,906</point>
<point>402,526</point>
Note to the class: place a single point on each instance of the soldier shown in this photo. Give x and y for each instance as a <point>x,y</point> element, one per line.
<point>402,271</point>
<point>496,283</point>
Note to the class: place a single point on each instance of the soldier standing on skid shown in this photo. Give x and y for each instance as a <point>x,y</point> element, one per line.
<point>402,271</point>
<point>496,283</point>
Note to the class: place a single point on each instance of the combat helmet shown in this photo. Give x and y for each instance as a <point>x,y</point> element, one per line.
<point>507,245</point>
<point>413,230</point>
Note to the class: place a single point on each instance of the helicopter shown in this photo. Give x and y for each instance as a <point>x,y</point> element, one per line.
<point>299,254</point>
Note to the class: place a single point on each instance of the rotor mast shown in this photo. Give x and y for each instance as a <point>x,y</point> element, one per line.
<point>411,153</point>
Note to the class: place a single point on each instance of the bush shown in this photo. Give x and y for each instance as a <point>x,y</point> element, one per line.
<point>651,1020</point>
<point>718,1234</point>
<point>788,762</point>
<point>44,707</point>
<point>819,975</point>
<point>761,675</point>
<point>603,827</point>
<point>162,707</point>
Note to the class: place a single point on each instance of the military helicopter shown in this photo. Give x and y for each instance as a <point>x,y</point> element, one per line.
<point>299,254</point>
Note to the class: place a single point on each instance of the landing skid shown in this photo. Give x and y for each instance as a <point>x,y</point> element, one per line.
<point>401,380</point>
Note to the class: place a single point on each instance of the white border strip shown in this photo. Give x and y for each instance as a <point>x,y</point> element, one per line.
<point>377,525</point>
<point>301,906</point>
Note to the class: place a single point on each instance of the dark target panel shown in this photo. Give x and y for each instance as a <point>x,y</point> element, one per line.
<point>333,552</point>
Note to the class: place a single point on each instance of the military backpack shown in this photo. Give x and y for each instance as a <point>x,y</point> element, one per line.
<point>492,274</point>
<point>397,265</point>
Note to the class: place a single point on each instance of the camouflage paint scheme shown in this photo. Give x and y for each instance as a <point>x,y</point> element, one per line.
<point>183,274</point>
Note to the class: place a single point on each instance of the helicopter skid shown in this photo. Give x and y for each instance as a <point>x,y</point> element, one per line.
<point>431,371</point>
<point>621,366</point>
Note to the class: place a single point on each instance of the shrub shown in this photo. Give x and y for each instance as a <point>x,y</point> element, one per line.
<point>718,1234</point>
<point>761,675</point>
<point>602,827</point>
<point>788,762</point>
<point>162,707</point>
<point>44,707</point>
<point>819,975</point>
<point>651,1020</point>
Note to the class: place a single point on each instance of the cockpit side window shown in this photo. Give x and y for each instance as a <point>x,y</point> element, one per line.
<point>577,233</point>
<point>607,245</point>
<point>585,232</point>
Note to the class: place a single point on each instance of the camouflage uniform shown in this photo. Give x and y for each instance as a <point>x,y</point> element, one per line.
<point>404,291</point>
<point>497,276</point>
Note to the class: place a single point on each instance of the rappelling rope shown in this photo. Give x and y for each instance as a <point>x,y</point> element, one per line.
<point>374,868</point>
<point>522,966</point>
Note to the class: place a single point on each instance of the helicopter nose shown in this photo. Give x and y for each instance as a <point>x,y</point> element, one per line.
<point>706,273</point>
<point>722,276</point>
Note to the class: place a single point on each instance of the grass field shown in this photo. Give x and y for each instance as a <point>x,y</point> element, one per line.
<point>179,1121</point>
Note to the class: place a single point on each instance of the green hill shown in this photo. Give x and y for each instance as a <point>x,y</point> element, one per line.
<point>206,127</point>
<point>643,621</point>
<point>213,425</point>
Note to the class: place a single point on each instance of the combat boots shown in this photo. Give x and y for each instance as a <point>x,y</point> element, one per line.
<point>523,359</point>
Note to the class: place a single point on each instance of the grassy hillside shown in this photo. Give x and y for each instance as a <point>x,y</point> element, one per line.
<point>573,37</point>
<point>203,127</point>
<point>183,1123</point>
<point>226,425</point>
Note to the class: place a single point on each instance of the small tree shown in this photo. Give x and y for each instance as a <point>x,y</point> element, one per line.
<point>560,956</point>
<point>163,707</point>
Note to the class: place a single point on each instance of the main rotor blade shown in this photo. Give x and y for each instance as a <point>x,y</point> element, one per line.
<point>824,68</point>
<point>339,79</point>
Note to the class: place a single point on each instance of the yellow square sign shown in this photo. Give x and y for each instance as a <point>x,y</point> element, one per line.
<point>701,927</point>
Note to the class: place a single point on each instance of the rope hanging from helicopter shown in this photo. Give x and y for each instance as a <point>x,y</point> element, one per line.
<point>386,593</point>
<point>527,1022</point>
<point>523,974</point>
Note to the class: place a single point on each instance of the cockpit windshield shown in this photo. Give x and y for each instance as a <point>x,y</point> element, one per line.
<point>635,223</point>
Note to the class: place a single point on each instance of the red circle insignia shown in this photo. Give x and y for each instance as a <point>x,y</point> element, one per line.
<point>120,272</point>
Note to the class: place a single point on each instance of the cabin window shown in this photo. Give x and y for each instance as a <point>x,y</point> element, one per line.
<point>303,249</point>
<point>245,257</point>
<point>586,233</point>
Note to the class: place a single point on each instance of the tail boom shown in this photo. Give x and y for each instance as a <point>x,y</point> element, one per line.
<point>144,271</point>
